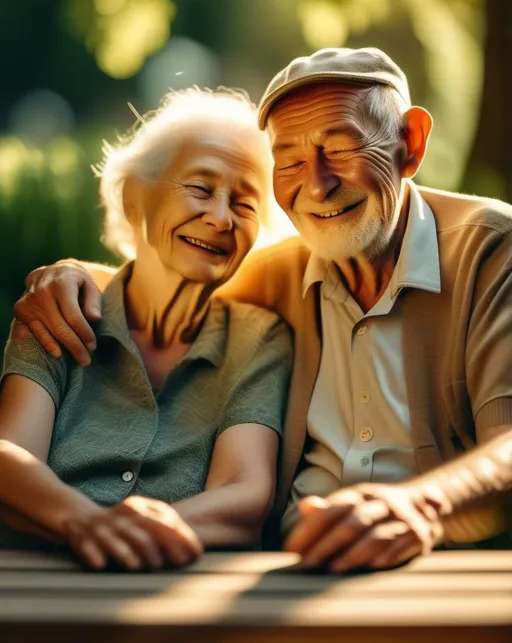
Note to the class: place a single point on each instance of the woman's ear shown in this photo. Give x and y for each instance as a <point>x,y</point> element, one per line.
<point>419,126</point>
<point>133,201</point>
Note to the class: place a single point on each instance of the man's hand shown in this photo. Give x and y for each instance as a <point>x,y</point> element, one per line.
<point>51,309</point>
<point>139,532</point>
<point>371,526</point>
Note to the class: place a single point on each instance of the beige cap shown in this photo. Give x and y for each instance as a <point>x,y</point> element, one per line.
<point>368,65</point>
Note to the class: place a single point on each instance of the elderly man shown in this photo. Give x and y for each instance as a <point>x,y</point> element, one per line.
<point>400,299</point>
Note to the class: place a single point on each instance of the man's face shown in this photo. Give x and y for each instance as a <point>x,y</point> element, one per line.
<point>337,174</point>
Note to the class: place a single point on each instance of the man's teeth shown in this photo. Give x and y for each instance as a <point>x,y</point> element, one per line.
<point>327,215</point>
<point>206,246</point>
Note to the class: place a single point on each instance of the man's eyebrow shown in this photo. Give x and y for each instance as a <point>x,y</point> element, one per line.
<point>339,130</point>
<point>344,130</point>
<point>281,147</point>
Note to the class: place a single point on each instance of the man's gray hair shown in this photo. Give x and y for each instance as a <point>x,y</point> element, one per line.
<point>385,107</point>
<point>146,151</point>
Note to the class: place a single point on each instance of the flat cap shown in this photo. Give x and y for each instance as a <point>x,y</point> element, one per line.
<point>366,66</point>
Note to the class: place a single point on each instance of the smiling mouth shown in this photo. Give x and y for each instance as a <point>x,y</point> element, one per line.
<point>204,246</point>
<point>337,213</point>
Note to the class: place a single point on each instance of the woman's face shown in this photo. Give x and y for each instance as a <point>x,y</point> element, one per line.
<point>202,216</point>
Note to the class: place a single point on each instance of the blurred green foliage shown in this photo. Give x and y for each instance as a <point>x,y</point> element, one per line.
<point>48,210</point>
<point>96,55</point>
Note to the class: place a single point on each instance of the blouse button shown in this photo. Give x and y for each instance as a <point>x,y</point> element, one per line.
<point>127,476</point>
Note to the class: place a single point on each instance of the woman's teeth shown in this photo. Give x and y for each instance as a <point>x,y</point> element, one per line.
<point>206,246</point>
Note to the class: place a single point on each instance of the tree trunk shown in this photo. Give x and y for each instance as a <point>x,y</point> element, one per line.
<point>489,169</point>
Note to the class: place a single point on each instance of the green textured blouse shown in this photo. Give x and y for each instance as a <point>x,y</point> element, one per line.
<point>113,437</point>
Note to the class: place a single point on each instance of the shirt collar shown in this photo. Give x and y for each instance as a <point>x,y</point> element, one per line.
<point>417,265</point>
<point>209,345</point>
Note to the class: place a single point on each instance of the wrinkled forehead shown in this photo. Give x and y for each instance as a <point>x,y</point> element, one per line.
<point>238,156</point>
<point>239,146</point>
<point>310,105</point>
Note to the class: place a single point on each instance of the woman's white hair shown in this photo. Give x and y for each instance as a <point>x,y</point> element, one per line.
<point>146,151</point>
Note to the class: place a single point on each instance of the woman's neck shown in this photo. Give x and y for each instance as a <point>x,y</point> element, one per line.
<point>162,306</point>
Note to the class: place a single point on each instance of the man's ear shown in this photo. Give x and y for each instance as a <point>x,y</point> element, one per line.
<point>419,126</point>
<point>134,201</point>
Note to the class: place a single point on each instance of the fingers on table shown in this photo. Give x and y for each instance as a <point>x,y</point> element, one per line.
<point>384,545</point>
<point>345,532</point>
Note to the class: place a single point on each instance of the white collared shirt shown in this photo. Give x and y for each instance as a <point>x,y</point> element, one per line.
<point>358,420</point>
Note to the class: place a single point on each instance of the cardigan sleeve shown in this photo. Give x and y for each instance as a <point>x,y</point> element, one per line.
<point>489,339</point>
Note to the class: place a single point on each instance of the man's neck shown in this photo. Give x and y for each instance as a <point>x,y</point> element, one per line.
<point>366,277</point>
<point>162,306</point>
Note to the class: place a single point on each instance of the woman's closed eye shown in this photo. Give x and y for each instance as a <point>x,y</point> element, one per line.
<point>202,191</point>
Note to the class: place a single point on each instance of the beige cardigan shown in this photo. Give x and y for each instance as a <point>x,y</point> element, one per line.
<point>458,344</point>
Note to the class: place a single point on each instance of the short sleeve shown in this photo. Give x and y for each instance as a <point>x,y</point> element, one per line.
<point>28,358</point>
<point>260,392</point>
<point>489,341</point>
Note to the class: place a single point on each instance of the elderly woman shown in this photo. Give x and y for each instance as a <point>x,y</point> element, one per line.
<point>166,443</point>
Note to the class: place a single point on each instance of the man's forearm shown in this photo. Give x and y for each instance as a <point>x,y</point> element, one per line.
<point>225,517</point>
<point>472,493</point>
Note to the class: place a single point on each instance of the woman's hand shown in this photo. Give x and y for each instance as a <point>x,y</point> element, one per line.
<point>139,532</point>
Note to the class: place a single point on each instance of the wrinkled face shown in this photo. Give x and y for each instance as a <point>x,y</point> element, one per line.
<point>337,174</point>
<point>202,216</point>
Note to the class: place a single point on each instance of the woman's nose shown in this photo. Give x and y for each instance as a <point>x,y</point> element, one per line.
<point>218,214</point>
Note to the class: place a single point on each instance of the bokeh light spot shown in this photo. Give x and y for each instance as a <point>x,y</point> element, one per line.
<point>323,24</point>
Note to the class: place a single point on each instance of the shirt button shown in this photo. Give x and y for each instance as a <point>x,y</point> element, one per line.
<point>127,476</point>
<point>362,330</point>
<point>365,397</point>
<point>366,434</point>
<point>364,462</point>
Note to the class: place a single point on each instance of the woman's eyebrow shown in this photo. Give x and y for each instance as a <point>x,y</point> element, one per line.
<point>204,172</point>
<point>209,173</point>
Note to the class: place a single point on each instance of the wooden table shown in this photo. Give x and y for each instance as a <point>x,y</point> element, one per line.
<point>448,596</point>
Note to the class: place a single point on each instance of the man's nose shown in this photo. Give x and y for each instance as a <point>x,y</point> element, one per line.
<point>319,181</point>
<point>218,215</point>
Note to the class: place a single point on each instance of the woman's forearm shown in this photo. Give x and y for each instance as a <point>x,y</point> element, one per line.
<point>19,522</point>
<point>226,516</point>
<point>30,488</point>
